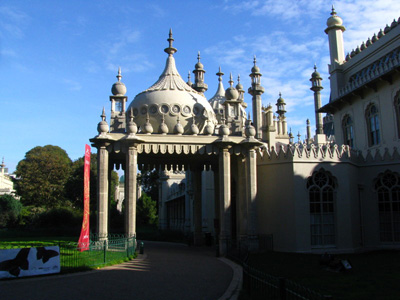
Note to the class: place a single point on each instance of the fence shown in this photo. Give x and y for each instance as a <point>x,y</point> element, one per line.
<point>101,252</point>
<point>260,285</point>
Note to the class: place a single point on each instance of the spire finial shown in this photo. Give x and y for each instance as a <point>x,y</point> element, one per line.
<point>103,114</point>
<point>198,56</point>
<point>170,50</point>
<point>238,78</point>
<point>280,95</point>
<point>315,66</point>
<point>220,74</point>
<point>255,60</point>
<point>119,76</point>
<point>231,80</point>
<point>333,11</point>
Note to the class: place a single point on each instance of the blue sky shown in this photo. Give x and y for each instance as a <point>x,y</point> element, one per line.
<point>59,59</point>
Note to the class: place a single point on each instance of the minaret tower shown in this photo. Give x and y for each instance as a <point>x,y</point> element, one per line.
<point>316,87</point>
<point>199,71</point>
<point>281,110</point>
<point>335,31</point>
<point>118,105</point>
<point>256,90</point>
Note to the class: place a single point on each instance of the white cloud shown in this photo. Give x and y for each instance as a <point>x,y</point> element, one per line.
<point>12,22</point>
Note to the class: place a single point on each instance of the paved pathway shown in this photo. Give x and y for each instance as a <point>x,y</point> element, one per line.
<point>166,271</point>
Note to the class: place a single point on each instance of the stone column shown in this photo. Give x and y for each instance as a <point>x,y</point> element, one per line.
<point>102,192</point>
<point>130,192</point>
<point>197,209</point>
<point>225,199</point>
<point>251,168</point>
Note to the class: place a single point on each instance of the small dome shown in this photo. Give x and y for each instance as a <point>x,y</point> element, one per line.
<point>255,69</point>
<point>199,66</point>
<point>118,88</point>
<point>315,74</point>
<point>334,20</point>
<point>231,93</point>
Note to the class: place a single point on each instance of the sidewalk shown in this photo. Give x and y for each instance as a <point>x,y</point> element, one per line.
<point>166,271</point>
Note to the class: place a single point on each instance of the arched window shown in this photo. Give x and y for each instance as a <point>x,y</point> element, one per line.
<point>397,110</point>
<point>321,187</point>
<point>387,185</point>
<point>348,135</point>
<point>373,125</point>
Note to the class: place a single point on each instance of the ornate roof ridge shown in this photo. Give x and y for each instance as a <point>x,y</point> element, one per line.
<point>372,40</point>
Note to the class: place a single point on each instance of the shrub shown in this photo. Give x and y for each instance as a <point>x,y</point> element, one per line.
<point>10,209</point>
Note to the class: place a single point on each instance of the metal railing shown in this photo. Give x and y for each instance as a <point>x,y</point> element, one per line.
<point>260,285</point>
<point>101,252</point>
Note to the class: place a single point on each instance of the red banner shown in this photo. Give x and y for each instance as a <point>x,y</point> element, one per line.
<point>84,240</point>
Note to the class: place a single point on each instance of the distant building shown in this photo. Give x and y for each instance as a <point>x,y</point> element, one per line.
<point>6,183</point>
<point>240,179</point>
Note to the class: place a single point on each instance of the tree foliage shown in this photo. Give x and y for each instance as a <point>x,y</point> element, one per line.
<point>74,186</point>
<point>42,175</point>
<point>149,182</point>
<point>146,210</point>
<point>10,209</point>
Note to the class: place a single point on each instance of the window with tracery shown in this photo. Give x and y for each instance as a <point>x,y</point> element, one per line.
<point>397,110</point>
<point>387,185</point>
<point>321,187</point>
<point>348,135</point>
<point>373,125</point>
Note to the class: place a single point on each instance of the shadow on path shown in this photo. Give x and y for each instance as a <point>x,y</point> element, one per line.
<point>166,271</point>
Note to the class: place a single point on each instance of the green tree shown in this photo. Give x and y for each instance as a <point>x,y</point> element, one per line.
<point>149,182</point>
<point>42,176</point>
<point>10,209</point>
<point>146,211</point>
<point>74,186</point>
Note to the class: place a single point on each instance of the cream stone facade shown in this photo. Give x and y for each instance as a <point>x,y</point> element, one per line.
<point>6,183</point>
<point>240,180</point>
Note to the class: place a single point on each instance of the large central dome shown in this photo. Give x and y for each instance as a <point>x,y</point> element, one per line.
<point>171,99</point>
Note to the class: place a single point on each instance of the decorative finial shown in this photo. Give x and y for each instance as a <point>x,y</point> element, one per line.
<point>220,74</point>
<point>255,60</point>
<point>298,136</point>
<point>119,74</point>
<point>315,67</point>
<point>198,56</point>
<point>280,95</point>
<point>189,82</point>
<point>238,79</point>
<point>170,50</point>
<point>308,122</point>
<point>333,13</point>
<point>231,80</point>
<point>103,115</point>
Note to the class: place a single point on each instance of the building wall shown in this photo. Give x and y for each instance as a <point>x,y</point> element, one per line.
<point>384,101</point>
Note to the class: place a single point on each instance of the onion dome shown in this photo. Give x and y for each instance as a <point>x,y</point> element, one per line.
<point>163,129</point>
<point>132,127</point>
<point>172,97</point>
<point>315,74</point>
<point>118,88</point>
<point>239,86</point>
<point>334,20</point>
<point>255,69</point>
<point>198,66</point>
<point>189,83</point>
<point>280,104</point>
<point>178,129</point>
<point>231,93</point>
<point>102,127</point>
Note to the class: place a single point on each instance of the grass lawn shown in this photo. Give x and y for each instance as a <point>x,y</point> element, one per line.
<point>374,275</point>
<point>71,259</point>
